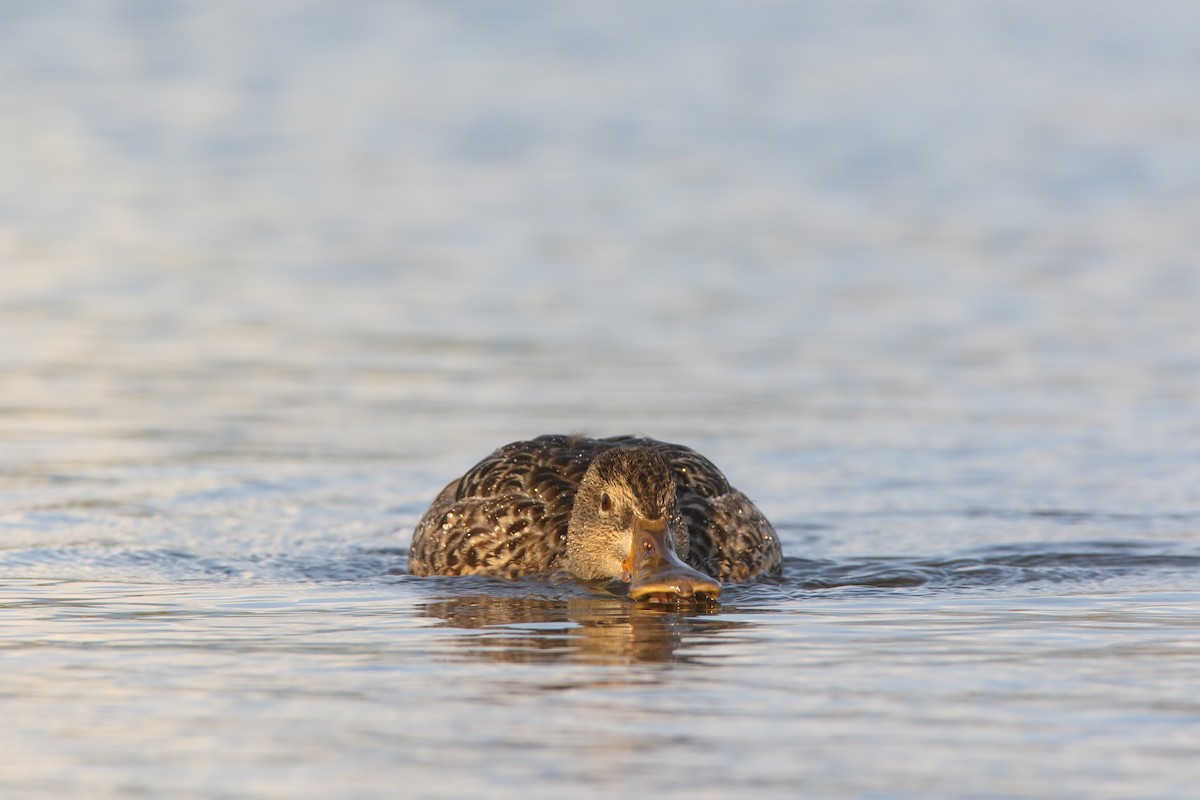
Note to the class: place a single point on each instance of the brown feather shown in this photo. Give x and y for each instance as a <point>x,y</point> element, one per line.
<point>508,515</point>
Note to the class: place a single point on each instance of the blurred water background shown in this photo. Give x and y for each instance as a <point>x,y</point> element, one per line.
<point>920,277</point>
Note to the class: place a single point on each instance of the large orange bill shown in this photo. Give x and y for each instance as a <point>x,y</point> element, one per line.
<point>657,574</point>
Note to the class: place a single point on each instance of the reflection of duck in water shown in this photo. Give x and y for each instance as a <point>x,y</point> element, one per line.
<point>593,629</point>
<point>658,516</point>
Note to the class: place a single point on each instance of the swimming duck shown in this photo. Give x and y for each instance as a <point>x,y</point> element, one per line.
<point>658,516</point>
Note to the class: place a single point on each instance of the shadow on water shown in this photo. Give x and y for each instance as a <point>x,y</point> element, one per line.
<point>577,625</point>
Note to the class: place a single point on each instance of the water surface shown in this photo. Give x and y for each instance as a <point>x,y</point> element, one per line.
<point>921,280</point>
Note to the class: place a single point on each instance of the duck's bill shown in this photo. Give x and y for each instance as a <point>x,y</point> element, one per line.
<point>658,575</point>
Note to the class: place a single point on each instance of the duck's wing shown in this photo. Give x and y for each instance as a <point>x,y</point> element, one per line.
<point>505,536</point>
<point>731,540</point>
<point>548,468</point>
<point>507,516</point>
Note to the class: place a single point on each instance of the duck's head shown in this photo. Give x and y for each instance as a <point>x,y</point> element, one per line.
<point>625,525</point>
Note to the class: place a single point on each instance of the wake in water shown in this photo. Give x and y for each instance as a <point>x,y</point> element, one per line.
<point>1085,564</point>
<point>996,567</point>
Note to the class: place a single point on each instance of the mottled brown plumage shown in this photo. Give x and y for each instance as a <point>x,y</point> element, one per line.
<point>508,516</point>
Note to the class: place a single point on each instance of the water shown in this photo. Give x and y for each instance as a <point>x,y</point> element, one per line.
<point>920,279</point>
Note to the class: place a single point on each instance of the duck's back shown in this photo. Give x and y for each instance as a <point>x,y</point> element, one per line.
<point>507,516</point>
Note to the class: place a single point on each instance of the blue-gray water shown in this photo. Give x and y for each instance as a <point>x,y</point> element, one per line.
<point>922,278</point>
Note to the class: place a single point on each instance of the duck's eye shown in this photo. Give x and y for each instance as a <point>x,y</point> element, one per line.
<point>605,503</point>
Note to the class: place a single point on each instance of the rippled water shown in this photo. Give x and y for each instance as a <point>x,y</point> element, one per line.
<point>922,280</point>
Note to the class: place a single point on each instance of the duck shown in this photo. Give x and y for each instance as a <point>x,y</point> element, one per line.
<point>656,516</point>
